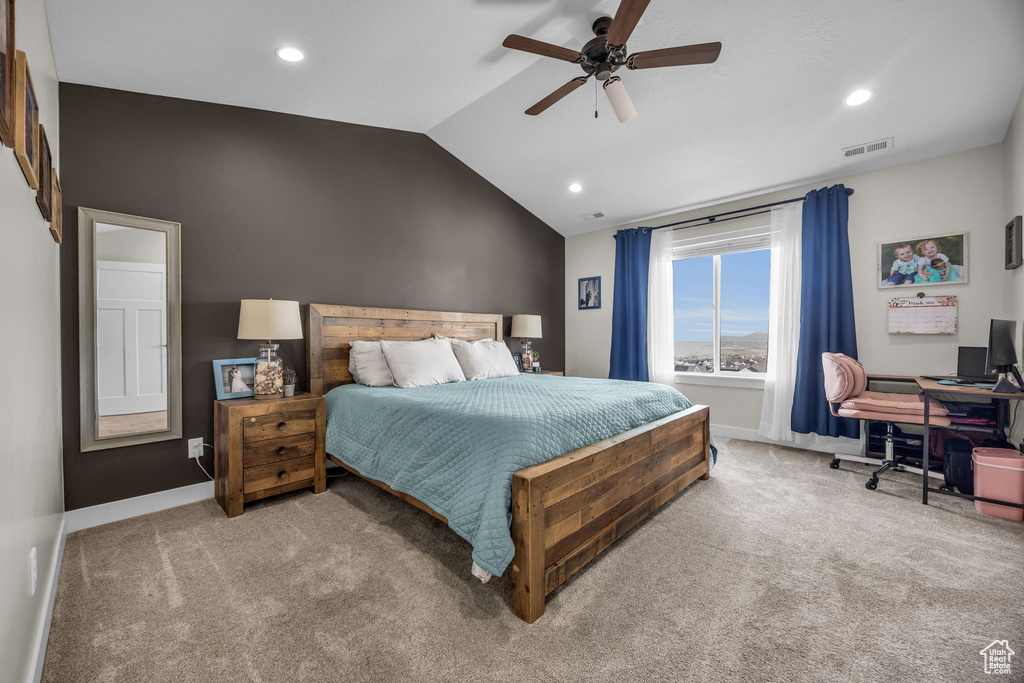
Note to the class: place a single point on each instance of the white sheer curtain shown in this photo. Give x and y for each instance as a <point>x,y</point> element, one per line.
<point>660,316</point>
<point>783,322</point>
<point>784,336</point>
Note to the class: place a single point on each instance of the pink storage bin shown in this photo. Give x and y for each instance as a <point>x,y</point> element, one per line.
<point>999,474</point>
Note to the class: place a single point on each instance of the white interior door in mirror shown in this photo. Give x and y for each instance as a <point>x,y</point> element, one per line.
<point>131,337</point>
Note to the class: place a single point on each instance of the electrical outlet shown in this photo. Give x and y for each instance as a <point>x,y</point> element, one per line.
<point>195,448</point>
<point>32,555</point>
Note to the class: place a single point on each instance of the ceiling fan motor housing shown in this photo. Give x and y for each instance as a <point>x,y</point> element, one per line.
<point>600,59</point>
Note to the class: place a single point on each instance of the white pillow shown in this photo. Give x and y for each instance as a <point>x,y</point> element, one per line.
<point>422,363</point>
<point>484,359</point>
<point>367,365</point>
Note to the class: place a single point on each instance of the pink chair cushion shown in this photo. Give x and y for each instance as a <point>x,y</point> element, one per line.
<point>880,401</point>
<point>844,377</point>
<point>906,418</point>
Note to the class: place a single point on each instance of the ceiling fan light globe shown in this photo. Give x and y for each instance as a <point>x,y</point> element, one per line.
<point>622,105</point>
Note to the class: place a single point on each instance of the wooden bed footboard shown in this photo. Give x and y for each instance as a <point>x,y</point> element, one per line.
<point>568,510</point>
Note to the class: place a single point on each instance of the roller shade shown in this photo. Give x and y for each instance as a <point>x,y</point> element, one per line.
<point>748,239</point>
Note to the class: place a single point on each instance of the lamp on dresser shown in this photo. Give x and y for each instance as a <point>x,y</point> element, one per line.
<point>269,319</point>
<point>526,327</point>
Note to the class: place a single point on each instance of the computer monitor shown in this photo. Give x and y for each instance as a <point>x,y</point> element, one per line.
<point>1002,343</point>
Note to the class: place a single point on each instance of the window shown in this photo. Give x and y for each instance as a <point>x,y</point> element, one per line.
<point>721,305</point>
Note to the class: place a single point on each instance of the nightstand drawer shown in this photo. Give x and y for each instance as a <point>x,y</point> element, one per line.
<point>278,474</point>
<point>276,425</point>
<point>255,453</point>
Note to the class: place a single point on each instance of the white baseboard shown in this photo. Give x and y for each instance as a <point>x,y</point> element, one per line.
<point>43,632</point>
<point>85,518</point>
<point>726,432</point>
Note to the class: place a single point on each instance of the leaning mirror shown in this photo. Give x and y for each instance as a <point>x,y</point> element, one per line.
<point>130,329</point>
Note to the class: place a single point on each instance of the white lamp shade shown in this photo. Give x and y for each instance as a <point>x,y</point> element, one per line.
<point>269,319</point>
<point>527,326</point>
<point>617,95</point>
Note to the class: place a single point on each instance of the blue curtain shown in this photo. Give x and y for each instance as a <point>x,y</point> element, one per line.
<point>826,310</point>
<point>629,307</point>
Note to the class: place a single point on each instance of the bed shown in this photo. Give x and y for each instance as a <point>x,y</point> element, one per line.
<point>564,511</point>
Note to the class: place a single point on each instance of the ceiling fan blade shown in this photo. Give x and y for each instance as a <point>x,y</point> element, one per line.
<point>705,53</point>
<point>540,48</point>
<point>557,95</point>
<point>626,18</point>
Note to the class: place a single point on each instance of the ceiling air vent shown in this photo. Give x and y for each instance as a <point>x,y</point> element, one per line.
<point>592,216</point>
<point>867,148</point>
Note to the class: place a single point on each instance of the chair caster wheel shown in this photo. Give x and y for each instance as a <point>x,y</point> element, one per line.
<point>834,464</point>
<point>871,484</point>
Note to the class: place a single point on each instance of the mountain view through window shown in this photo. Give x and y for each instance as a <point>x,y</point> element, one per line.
<point>742,304</point>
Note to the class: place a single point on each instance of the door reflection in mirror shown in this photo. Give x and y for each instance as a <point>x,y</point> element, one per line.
<point>131,330</point>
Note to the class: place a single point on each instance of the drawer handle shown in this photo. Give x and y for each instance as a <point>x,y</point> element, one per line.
<point>282,450</point>
<point>282,474</point>
<point>282,425</point>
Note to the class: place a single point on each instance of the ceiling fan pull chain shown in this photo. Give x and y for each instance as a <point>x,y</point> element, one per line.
<point>595,99</point>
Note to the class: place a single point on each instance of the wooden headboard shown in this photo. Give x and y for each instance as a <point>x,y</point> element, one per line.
<point>331,328</point>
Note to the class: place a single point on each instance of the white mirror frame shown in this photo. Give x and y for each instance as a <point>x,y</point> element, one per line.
<point>87,219</point>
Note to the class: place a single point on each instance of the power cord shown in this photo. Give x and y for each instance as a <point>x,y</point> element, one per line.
<point>201,464</point>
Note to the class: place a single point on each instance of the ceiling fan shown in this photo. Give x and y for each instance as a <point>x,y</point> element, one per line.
<point>605,54</point>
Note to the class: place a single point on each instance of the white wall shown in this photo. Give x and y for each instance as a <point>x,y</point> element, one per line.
<point>953,193</point>
<point>31,492</point>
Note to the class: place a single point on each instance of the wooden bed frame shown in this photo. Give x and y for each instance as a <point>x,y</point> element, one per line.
<point>564,511</point>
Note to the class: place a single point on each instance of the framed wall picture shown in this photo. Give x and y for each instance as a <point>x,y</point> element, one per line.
<point>234,377</point>
<point>26,121</point>
<point>589,292</point>
<point>923,261</point>
<point>7,72</point>
<point>44,200</point>
<point>57,209</point>
<point>1013,245</point>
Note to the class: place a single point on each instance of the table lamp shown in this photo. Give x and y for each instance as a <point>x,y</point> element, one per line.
<point>527,327</point>
<point>269,319</point>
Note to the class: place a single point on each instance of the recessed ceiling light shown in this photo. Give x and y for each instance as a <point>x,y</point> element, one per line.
<point>575,187</point>
<point>291,54</point>
<point>858,97</point>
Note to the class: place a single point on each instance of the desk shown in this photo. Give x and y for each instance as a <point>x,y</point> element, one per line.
<point>931,387</point>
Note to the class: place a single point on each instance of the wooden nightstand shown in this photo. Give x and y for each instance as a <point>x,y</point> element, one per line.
<point>557,373</point>
<point>267,447</point>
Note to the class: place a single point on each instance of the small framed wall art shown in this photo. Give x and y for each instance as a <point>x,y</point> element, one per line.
<point>1013,245</point>
<point>234,377</point>
<point>589,292</point>
<point>56,209</point>
<point>26,121</point>
<point>44,200</point>
<point>7,72</point>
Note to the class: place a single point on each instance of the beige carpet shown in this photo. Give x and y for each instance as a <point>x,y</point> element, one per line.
<point>776,569</point>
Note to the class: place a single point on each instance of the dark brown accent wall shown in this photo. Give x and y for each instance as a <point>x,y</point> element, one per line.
<point>274,205</point>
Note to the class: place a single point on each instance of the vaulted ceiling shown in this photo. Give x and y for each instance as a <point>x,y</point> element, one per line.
<point>946,75</point>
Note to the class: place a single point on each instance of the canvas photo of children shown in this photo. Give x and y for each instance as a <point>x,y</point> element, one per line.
<point>923,261</point>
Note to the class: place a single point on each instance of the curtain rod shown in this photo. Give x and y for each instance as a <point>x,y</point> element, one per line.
<point>715,217</point>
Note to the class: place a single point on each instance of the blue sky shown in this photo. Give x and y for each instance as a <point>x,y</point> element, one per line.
<point>744,295</point>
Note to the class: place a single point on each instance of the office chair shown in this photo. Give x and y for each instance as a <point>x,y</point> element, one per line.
<point>846,386</point>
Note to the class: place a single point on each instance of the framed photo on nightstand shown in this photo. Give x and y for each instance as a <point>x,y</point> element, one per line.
<point>518,358</point>
<point>234,377</point>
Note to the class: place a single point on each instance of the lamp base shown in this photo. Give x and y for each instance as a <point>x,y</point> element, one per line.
<point>527,356</point>
<point>269,373</point>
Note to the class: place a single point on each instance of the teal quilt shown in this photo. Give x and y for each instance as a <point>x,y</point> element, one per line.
<point>456,446</point>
